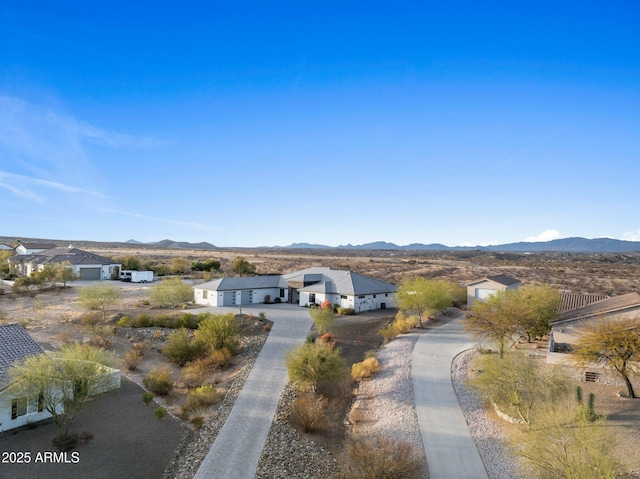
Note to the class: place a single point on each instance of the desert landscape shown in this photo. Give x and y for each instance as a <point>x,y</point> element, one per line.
<point>55,317</point>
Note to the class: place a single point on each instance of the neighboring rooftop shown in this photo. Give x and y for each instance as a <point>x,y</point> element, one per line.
<point>569,301</point>
<point>72,255</point>
<point>608,305</point>
<point>498,278</point>
<point>38,245</point>
<point>15,345</point>
<point>244,282</point>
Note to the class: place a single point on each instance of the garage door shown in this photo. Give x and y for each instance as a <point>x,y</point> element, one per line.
<point>484,293</point>
<point>228,298</point>
<point>90,273</point>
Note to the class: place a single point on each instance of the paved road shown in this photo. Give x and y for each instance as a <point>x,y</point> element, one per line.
<point>237,449</point>
<point>450,450</point>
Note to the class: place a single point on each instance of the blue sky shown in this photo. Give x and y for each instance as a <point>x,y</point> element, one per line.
<point>253,123</point>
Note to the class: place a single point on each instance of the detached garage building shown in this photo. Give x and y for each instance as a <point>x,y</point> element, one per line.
<point>304,288</point>
<point>485,287</point>
<point>87,265</point>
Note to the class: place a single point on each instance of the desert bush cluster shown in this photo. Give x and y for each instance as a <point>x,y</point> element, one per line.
<point>402,324</point>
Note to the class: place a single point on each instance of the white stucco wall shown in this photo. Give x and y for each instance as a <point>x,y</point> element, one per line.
<point>216,298</point>
<point>6,423</point>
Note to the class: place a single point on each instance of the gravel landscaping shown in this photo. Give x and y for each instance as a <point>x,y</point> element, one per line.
<point>196,444</point>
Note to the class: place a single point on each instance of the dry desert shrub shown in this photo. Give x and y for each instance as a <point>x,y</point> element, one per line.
<point>365,369</point>
<point>195,373</point>
<point>378,457</point>
<point>132,359</point>
<point>308,414</point>
<point>159,381</point>
<point>201,397</point>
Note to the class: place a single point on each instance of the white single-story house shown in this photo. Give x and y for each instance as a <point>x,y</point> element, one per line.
<point>17,410</point>
<point>485,287</point>
<point>33,248</point>
<point>567,328</point>
<point>87,265</point>
<point>306,287</point>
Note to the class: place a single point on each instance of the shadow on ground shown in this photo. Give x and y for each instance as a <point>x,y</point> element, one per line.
<point>129,441</point>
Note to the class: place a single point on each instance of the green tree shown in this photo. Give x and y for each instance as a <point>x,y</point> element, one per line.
<point>611,342</point>
<point>99,297</point>
<point>496,319</point>
<point>561,446</point>
<point>25,283</point>
<point>219,331</point>
<point>5,267</point>
<point>242,267</point>
<point>129,262</point>
<point>171,292</point>
<point>180,265</point>
<point>62,384</point>
<point>517,385</point>
<point>66,274</point>
<point>312,362</point>
<point>425,296</point>
<point>208,265</point>
<point>323,318</point>
<point>541,306</point>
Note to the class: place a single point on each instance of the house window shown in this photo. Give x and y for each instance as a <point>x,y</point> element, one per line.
<point>312,297</point>
<point>374,295</point>
<point>18,407</point>
<point>205,294</point>
<point>386,294</point>
<point>361,297</point>
<point>342,296</point>
<point>282,292</point>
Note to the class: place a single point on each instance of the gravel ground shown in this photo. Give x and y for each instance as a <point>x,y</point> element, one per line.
<point>387,400</point>
<point>385,406</point>
<point>488,438</point>
<point>196,445</point>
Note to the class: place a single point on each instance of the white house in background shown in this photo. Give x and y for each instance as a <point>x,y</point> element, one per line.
<point>33,248</point>
<point>17,410</point>
<point>306,287</point>
<point>485,287</point>
<point>87,265</point>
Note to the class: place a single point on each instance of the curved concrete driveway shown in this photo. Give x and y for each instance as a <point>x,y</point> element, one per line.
<point>237,449</point>
<point>450,450</point>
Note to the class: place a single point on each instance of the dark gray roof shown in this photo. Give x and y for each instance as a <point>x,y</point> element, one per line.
<point>344,282</point>
<point>502,279</point>
<point>15,345</point>
<point>609,305</point>
<point>244,282</point>
<point>38,245</point>
<point>74,256</point>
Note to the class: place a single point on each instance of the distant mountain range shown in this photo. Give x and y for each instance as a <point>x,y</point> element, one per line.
<point>566,245</point>
<point>170,244</point>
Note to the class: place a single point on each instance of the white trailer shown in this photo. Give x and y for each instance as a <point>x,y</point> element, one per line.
<point>142,276</point>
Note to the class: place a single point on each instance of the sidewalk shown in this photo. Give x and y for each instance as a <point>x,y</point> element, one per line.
<point>237,449</point>
<point>450,450</point>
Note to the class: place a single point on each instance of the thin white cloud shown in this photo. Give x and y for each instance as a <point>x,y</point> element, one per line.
<point>23,186</point>
<point>45,150</point>
<point>546,235</point>
<point>632,235</point>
